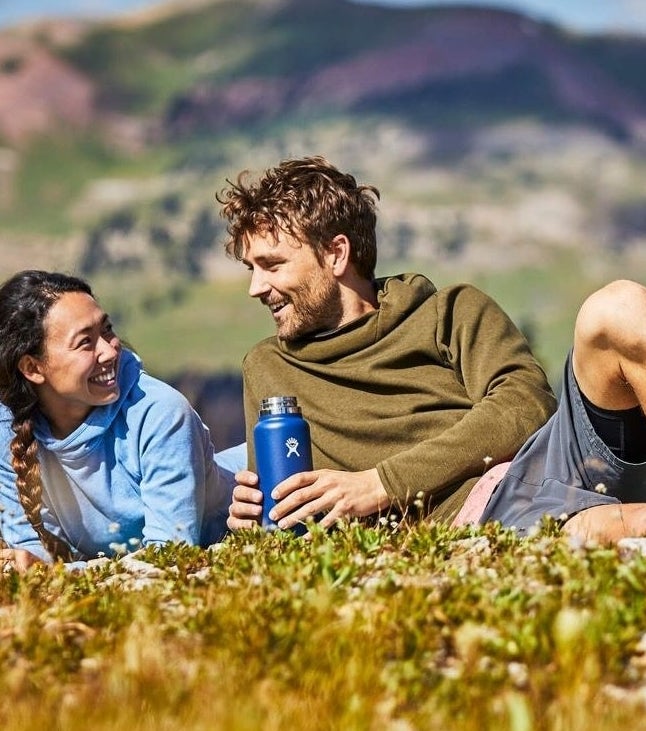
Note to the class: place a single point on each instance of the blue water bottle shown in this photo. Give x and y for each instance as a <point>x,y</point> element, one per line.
<point>283,447</point>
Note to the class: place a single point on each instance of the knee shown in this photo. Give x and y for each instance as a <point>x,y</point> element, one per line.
<point>614,311</point>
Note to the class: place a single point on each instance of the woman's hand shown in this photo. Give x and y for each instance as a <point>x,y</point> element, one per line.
<point>17,559</point>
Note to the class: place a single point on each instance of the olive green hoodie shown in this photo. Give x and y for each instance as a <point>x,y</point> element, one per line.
<point>429,389</point>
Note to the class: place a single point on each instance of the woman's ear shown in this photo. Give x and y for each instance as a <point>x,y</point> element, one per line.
<point>340,251</point>
<point>30,368</point>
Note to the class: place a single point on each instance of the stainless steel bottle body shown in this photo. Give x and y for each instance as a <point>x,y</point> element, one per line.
<point>282,446</point>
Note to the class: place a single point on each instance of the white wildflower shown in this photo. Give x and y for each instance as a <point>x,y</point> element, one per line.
<point>118,548</point>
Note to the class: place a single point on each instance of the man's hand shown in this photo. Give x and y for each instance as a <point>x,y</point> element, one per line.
<point>18,559</point>
<point>334,494</point>
<point>246,506</point>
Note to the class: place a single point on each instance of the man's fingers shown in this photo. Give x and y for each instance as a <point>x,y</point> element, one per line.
<point>234,523</point>
<point>245,508</point>
<point>244,494</point>
<point>247,477</point>
<point>298,481</point>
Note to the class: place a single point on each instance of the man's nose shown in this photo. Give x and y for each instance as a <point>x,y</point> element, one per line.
<point>258,284</point>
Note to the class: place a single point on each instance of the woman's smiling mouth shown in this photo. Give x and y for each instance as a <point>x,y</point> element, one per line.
<point>107,377</point>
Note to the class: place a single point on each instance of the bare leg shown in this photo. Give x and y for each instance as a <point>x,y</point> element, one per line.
<point>609,362</point>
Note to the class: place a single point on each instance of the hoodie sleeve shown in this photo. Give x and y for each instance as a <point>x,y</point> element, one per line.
<point>508,389</point>
<point>176,462</point>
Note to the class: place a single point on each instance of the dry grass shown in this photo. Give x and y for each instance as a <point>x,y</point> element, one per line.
<point>368,628</point>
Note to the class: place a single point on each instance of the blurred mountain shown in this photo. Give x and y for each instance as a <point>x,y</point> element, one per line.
<point>211,66</point>
<point>188,85</point>
<point>498,142</point>
<point>508,152</point>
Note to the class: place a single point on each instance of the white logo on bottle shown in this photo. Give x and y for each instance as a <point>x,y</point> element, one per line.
<point>292,447</point>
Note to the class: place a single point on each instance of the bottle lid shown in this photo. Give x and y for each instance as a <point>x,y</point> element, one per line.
<point>279,405</point>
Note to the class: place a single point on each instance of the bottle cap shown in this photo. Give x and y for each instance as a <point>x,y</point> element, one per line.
<point>279,405</point>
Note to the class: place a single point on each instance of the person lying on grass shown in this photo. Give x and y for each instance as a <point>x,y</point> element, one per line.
<point>96,456</point>
<point>409,389</point>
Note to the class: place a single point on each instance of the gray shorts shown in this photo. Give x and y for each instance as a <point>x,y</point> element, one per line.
<point>565,467</point>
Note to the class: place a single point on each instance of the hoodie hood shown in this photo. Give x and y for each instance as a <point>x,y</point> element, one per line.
<point>79,443</point>
<point>397,296</point>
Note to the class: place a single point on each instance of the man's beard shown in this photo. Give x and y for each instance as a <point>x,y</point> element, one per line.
<point>316,307</point>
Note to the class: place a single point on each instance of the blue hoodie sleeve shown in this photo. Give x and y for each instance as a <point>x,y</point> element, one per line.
<point>176,461</point>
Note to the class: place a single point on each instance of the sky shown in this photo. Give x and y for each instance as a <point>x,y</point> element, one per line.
<point>588,16</point>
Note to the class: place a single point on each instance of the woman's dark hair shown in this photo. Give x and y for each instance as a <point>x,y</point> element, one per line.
<point>25,300</point>
<point>310,199</point>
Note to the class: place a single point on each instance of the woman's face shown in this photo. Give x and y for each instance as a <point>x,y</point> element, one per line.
<point>78,370</point>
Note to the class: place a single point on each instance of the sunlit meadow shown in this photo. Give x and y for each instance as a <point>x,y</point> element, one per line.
<point>393,627</point>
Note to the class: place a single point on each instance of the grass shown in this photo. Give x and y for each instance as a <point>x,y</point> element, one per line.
<point>388,627</point>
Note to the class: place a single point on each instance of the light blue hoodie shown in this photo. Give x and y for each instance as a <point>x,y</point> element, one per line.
<point>138,471</point>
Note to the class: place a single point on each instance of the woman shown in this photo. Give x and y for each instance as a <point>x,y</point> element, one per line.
<point>97,455</point>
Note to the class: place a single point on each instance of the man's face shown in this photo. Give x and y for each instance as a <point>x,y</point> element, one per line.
<point>302,293</point>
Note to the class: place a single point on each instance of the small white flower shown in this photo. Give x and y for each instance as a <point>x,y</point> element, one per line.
<point>518,674</point>
<point>118,548</point>
<point>533,531</point>
<point>134,541</point>
<point>113,528</point>
<point>601,488</point>
<point>487,460</point>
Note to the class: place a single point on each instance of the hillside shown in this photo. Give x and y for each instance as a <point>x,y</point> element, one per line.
<point>507,151</point>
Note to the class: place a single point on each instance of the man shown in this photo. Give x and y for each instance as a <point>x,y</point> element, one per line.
<point>410,392</point>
